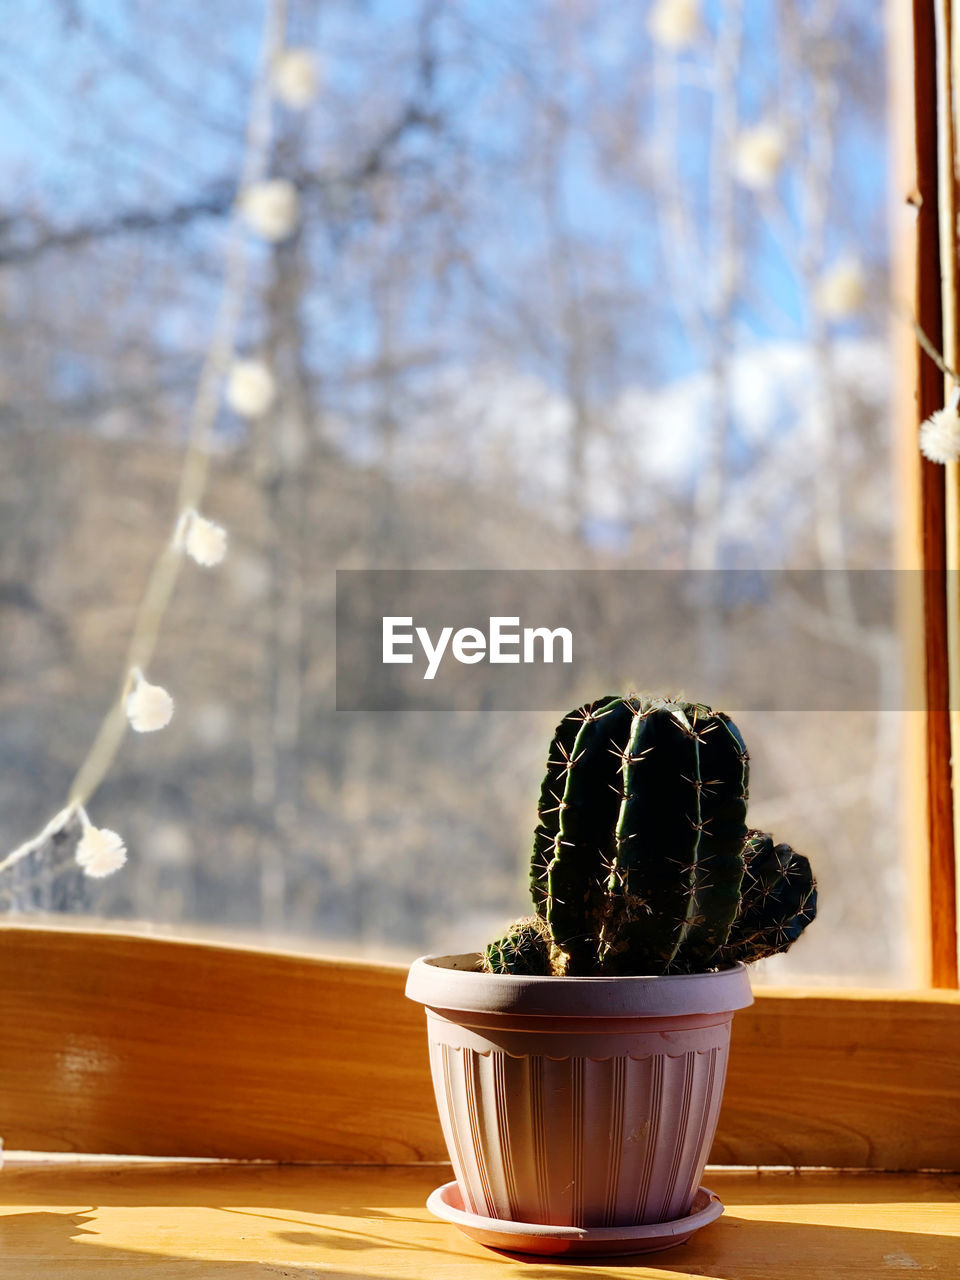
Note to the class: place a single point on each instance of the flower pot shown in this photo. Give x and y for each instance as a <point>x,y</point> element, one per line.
<point>577,1102</point>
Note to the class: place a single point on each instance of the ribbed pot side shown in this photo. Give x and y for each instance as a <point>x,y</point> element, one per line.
<point>577,1101</point>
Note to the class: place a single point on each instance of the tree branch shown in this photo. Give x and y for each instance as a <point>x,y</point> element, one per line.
<point>216,202</point>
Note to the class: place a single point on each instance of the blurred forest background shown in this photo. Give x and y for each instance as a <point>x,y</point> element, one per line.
<point>576,285</point>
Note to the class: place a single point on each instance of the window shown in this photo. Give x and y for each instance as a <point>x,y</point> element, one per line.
<point>569,289</point>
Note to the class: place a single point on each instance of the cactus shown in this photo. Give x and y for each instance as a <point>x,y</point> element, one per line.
<point>525,948</point>
<point>779,899</point>
<point>572,894</point>
<point>552,795</point>
<point>642,862</point>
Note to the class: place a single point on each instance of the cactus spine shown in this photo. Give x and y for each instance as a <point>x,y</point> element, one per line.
<point>642,863</point>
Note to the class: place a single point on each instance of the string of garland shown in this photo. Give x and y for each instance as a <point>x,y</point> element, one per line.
<point>268,208</point>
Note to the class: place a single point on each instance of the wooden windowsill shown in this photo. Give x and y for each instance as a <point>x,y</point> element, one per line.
<point>120,1044</point>
<point>262,1222</point>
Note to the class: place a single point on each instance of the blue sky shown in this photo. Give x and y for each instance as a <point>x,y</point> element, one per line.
<point>121,109</point>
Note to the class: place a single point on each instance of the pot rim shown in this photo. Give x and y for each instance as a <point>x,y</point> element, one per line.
<point>453,983</point>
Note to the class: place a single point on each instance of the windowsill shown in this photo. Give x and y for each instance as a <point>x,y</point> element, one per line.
<point>120,1043</point>
<point>247,1221</point>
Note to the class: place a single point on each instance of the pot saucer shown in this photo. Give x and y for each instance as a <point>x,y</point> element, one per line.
<point>528,1237</point>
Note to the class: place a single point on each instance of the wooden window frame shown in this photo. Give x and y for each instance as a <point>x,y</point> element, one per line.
<point>926,269</point>
<point>133,1045</point>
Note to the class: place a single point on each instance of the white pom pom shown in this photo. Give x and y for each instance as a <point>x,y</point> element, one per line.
<point>296,78</point>
<point>100,851</point>
<point>758,156</point>
<point>250,388</point>
<point>271,208</point>
<point>674,24</point>
<point>205,541</point>
<point>841,290</point>
<point>940,436</point>
<point>149,707</point>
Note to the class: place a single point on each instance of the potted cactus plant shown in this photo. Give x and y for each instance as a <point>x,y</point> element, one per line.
<point>579,1061</point>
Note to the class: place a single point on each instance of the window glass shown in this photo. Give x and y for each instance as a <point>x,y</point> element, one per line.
<point>572,286</point>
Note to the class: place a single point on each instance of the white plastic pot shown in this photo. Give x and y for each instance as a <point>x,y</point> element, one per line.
<point>584,1102</point>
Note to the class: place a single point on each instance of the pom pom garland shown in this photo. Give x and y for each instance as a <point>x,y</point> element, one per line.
<point>250,388</point>
<point>841,290</point>
<point>296,78</point>
<point>271,208</point>
<point>149,707</point>
<point>100,851</point>
<point>758,156</point>
<point>205,542</point>
<point>674,24</point>
<point>940,435</point>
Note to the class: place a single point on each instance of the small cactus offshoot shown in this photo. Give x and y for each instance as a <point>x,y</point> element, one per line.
<point>778,900</point>
<point>526,948</point>
<point>642,861</point>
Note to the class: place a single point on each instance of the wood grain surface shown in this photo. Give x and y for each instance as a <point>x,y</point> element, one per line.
<point>847,1079</point>
<point>260,1222</point>
<point>116,1043</point>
